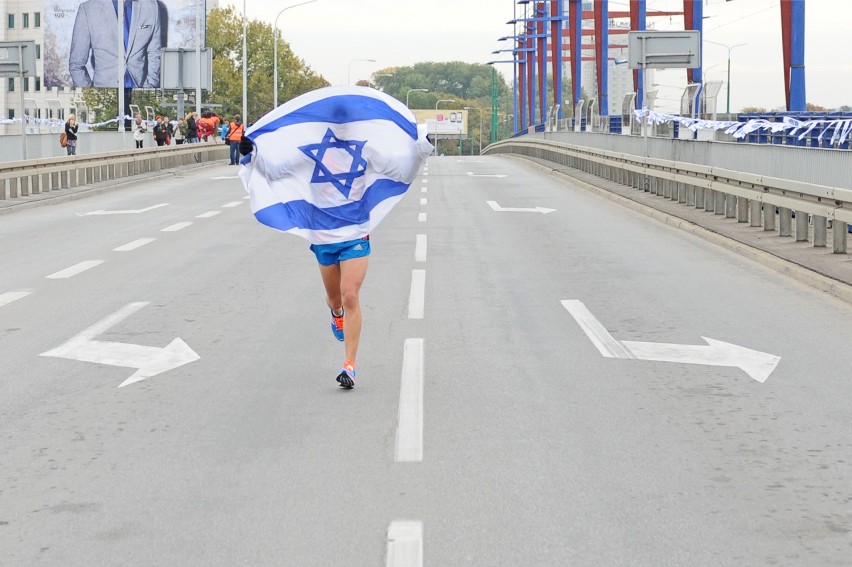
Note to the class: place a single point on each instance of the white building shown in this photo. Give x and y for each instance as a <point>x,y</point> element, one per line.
<point>24,20</point>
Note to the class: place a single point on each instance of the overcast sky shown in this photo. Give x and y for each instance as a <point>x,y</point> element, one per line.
<point>333,35</point>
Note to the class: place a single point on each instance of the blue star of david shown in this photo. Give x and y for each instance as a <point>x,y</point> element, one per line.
<point>322,174</point>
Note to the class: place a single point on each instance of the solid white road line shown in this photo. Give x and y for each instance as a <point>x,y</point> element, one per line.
<point>134,245</point>
<point>10,296</point>
<point>75,269</point>
<point>232,204</point>
<point>409,432</point>
<point>420,248</point>
<point>176,227</point>
<point>208,214</point>
<point>417,296</point>
<point>405,544</point>
<point>421,217</point>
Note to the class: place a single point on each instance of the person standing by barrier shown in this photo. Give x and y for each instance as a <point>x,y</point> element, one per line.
<point>180,131</point>
<point>160,131</point>
<point>236,129</point>
<point>71,132</point>
<point>140,129</point>
<point>191,128</point>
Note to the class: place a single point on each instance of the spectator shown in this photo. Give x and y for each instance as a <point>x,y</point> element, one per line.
<point>191,128</point>
<point>205,126</point>
<point>139,130</point>
<point>180,131</point>
<point>236,129</point>
<point>71,132</point>
<point>160,132</point>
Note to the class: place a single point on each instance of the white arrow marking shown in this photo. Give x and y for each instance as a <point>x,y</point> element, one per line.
<point>499,209</point>
<point>149,361</point>
<point>471,174</point>
<point>127,212</point>
<point>758,365</point>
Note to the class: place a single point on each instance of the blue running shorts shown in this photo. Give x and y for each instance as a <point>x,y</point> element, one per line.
<point>331,254</point>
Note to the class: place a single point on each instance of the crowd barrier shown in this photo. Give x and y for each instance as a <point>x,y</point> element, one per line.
<point>30,177</point>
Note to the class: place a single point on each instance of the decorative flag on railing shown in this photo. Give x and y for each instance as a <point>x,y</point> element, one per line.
<point>330,164</point>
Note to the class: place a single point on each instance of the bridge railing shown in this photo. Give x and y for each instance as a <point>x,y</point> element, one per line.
<point>30,177</point>
<point>748,197</point>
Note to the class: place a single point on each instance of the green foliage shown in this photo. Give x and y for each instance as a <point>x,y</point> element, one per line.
<point>224,33</point>
<point>468,84</point>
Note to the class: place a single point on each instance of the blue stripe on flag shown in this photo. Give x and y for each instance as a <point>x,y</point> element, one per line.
<point>305,215</point>
<point>340,109</point>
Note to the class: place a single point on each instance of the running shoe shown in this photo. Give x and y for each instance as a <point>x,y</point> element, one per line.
<point>346,378</point>
<point>337,325</point>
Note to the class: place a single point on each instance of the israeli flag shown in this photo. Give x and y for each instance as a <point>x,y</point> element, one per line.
<point>330,164</point>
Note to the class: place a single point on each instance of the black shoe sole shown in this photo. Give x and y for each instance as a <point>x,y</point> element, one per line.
<point>345,381</point>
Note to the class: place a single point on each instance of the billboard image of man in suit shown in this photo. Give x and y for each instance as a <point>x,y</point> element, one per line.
<point>92,60</point>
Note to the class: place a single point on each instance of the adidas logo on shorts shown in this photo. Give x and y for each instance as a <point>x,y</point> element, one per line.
<point>357,247</point>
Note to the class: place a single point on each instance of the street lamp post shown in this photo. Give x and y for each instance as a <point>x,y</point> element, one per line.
<point>480,125</point>
<point>411,91</point>
<point>245,69</point>
<point>349,76</point>
<point>275,52</point>
<point>436,122</point>
<point>728,88</point>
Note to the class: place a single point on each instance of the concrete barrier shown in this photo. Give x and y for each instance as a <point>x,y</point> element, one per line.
<point>31,177</point>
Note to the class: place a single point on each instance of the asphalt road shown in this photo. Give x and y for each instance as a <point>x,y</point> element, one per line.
<point>487,428</point>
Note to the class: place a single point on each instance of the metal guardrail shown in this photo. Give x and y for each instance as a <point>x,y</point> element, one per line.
<point>23,178</point>
<point>756,199</point>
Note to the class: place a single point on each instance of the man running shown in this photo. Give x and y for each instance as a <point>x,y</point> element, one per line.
<point>343,267</point>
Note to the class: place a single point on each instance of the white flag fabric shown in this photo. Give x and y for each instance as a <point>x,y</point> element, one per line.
<point>331,163</point>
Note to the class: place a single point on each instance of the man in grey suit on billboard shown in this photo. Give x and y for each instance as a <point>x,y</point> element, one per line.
<point>94,38</point>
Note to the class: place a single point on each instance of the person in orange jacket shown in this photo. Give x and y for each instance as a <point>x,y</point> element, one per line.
<point>236,129</point>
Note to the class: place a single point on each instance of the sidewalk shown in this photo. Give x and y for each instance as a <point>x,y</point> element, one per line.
<point>817,267</point>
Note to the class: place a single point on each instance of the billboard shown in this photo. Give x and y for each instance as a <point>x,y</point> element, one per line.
<point>443,122</point>
<point>81,40</point>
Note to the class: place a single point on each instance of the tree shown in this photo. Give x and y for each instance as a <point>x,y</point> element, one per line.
<point>224,33</point>
<point>468,84</point>
<point>753,109</point>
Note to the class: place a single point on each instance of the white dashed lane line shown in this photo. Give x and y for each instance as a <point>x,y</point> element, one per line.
<point>232,204</point>
<point>75,269</point>
<point>10,296</point>
<point>405,544</point>
<point>176,227</point>
<point>418,294</point>
<point>134,245</point>
<point>208,214</point>
<point>420,248</point>
<point>409,432</point>
<point>421,217</point>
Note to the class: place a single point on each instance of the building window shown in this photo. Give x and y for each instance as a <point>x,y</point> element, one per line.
<point>25,20</point>
<point>37,19</point>
<point>38,51</point>
<point>26,84</point>
<point>11,84</point>
<point>10,113</point>
<point>38,83</point>
<point>11,21</point>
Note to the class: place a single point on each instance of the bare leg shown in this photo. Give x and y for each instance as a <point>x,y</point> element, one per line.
<point>331,281</point>
<point>352,274</point>
<point>342,288</point>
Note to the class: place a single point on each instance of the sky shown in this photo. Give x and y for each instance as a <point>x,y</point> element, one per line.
<point>335,37</point>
